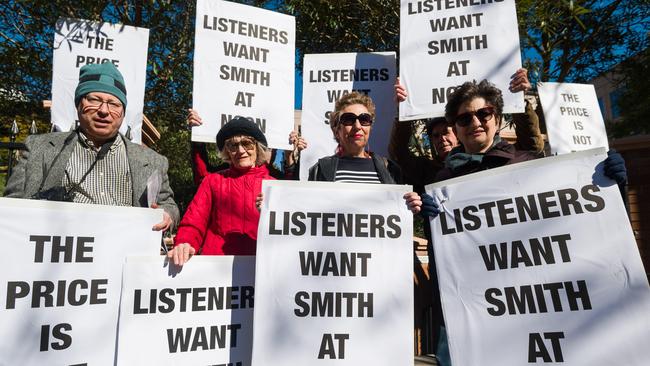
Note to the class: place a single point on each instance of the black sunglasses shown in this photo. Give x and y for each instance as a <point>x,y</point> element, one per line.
<point>348,119</point>
<point>484,114</point>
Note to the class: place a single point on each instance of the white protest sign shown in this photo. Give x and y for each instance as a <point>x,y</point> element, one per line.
<point>244,61</point>
<point>334,275</point>
<point>326,78</point>
<point>201,314</point>
<point>79,42</point>
<point>446,43</point>
<point>538,271</point>
<point>61,278</point>
<point>573,118</point>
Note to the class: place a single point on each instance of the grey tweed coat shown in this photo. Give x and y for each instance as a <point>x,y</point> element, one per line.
<point>39,169</point>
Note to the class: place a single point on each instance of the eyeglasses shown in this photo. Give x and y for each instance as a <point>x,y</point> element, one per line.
<point>484,114</point>
<point>348,119</point>
<point>96,103</point>
<point>248,145</point>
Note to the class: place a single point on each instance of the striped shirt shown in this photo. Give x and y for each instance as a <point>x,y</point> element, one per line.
<point>356,170</point>
<point>107,183</point>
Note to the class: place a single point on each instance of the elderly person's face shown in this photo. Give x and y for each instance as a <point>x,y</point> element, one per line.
<point>475,125</point>
<point>100,116</point>
<point>353,129</point>
<point>242,151</point>
<point>443,139</point>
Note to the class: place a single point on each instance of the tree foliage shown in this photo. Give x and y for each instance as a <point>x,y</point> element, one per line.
<point>577,40</point>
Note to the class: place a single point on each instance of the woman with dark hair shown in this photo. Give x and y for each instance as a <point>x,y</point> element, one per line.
<point>222,217</point>
<point>475,111</point>
<point>351,123</point>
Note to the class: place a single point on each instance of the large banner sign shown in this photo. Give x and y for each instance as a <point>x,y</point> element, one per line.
<point>446,43</point>
<point>328,77</point>
<point>61,278</point>
<point>573,118</point>
<point>539,271</point>
<point>334,275</point>
<point>244,61</point>
<point>79,42</point>
<point>201,314</point>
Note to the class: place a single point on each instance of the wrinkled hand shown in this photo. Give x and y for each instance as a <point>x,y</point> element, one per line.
<point>413,202</point>
<point>614,167</point>
<point>181,254</point>
<point>258,201</point>
<point>429,207</point>
<point>298,142</point>
<point>166,222</point>
<point>400,92</point>
<point>519,81</point>
<point>193,118</point>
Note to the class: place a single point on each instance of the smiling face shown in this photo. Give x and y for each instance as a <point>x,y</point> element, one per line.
<point>242,151</point>
<point>354,138</point>
<point>478,136</point>
<point>100,116</point>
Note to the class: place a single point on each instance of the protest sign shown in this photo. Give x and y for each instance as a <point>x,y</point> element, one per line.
<point>328,77</point>
<point>243,65</point>
<point>537,271</point>
<point>78,42</point>
<point>334,275</point>
<point>200,314</point>
<point>446,43</point>
<point>60,286</point>
<point>573,118</point>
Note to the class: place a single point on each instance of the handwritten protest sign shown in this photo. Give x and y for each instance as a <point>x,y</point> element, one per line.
<point>573,118</point>
<point>446,43</point>
<point>536,271</point>
<point>79,42</point>
<point>334,275</point>
<point>328,77</point>
<point>60,286</point>
<point>201,314</point>
<point>243,65</point>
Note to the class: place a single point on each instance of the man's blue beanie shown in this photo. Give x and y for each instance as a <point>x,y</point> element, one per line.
<point>104,78</point>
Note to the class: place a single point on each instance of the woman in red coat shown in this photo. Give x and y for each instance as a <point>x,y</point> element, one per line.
<point>222,217</point>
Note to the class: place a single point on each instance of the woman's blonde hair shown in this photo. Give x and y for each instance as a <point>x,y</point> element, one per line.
<point>263,152</point>
<point>348,100</point>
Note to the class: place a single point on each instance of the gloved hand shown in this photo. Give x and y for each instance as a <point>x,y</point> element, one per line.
<point>614,167</point>
<point>429,208</point>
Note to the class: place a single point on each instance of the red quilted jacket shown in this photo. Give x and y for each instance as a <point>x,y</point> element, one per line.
<point>222,218</point>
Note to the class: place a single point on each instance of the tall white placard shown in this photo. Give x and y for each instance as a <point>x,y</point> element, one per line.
<point>446,43</point>
<point>244,61</point>
<point>334,275</point>
<point>200,314</point>
<point>60,287</point>
<point>573,118</point>
<point>326,78</point>
<point>79,42</point>
<point>539,271</point>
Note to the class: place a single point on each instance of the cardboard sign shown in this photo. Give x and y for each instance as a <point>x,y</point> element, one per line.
<point>200,314</point>
<point>79,42</point>
<point>243,65</point>
<point>328,77</point>
<point>60,287</point>
<point>446,43</point>
<point>538,271</point>
<point>573,118</point>
<point>334,275</point>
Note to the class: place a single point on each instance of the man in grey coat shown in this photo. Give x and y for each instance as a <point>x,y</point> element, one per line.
<point>95,163</point>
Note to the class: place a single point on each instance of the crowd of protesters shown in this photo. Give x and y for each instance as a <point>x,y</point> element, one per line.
<point>95,164</point>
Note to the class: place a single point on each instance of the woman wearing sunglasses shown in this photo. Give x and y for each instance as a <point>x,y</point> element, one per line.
<point>351,123</point>
<point>222,217</point>
<point>475,111</point>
